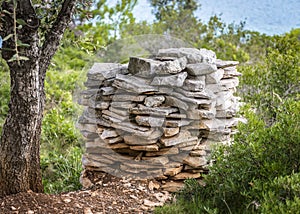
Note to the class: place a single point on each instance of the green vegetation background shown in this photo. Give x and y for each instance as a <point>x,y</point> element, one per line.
<point>259,173</point>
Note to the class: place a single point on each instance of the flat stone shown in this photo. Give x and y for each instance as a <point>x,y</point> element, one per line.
<point>114,115</point>
<point>199,69</point>
<point>176,116</point>
<point>208,55</point>
<point>135,140</point>
<point>109,133</point>
<point>108,90</point>
<point>102,71</point>
<point>192,55</point>
<point>147,148</point>
<point>150,121</point>
<point>191,142</point>
<point>157,111</point>
<point>90,83</point>
<point>197,114</point>
<point>230,83</point>
<point>171,80</point>
<point>101,158</point>
<point>196,94</point>
<point>99,121</point>
<point>186,175</point>
<point>182,137</point>
<point>174,66</point>
<point>172,186</point>
<point>190,100</point>
<point>175,102</point>
<point>197,84</point>
<point>123,105</point>
<point>124,97</point>
<point>164,151</point>
<point>169,132</point>
<point>87,127</point>
<point>149,67</point>
<point>198,153</point>
<point>223,63</point>
<point>177,123</point>
<point>231,72</point>
<point>195,162</point>
<point>122,112</point>
<point>113,140</point>
<point>173,171</point>
<point>215,77</point>
<point>228,113</point>
<point>118,146</point>
<point>163,160</point>
<point>154,101</point>
<point>133,84</point>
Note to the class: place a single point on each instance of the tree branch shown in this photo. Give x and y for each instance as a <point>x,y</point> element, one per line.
<point>55,34</point>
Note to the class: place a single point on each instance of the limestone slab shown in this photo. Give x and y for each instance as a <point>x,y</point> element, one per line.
<point>171,80</point>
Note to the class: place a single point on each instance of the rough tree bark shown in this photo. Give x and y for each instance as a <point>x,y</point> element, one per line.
<point>20,139</point>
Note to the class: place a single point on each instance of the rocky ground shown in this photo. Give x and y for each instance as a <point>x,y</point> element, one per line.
<point>109,195</point>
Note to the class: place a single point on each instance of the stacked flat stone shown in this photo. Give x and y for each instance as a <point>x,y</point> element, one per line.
<point>159,118</point>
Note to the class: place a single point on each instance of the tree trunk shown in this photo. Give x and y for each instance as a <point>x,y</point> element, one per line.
<point>20,140</point>
<point>19,150</point>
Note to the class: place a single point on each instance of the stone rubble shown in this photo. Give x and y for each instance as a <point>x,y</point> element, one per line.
<point>159,118</point>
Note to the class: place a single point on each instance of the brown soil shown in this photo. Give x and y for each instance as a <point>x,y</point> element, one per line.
<point>109,194</point>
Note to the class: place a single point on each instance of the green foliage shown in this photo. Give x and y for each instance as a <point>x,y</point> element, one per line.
<point>61,172</point>
<point>4,92</point>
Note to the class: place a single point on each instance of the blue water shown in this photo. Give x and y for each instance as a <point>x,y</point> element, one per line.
<point>266,16</point>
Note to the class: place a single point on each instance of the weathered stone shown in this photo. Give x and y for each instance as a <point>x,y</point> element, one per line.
<point>87,127</point>
<point>177,123</point>
<point>173,171</point>
<point>169,132</point>
<point>197,84</point>
<point>193,55</point>
<point>123,105</point>
<point>171,80</point>
<point>113,140</point>
<point>124,97</point>
<point>164,151</point>
<point>133,84</point>
<point>154,101</point>
<point>182,137</point>
<point>200,69</point>
<point>102,71</point>
<point>148,67</point>
<point>195,162</point>
<point>198,153</point>
<point>149,121</point>
<point>114,115</point>
<point>214,77</point>
<point>198,94</point>
<point>230,83</point>
<point>97,158</point>
<point>175,102</point>
<point>231,72</point>
<point>197,114</point>
<point>186,175</point>
<point>189,99</point>
<point>223,63</point>
<point>176,116</point>
<point>108,133</point>
<point>108,90</point>
<point>228,113</point>
<point>99,121</point>
<point>135,140</point>
<point>90,83</point>
<point>172,186</point>
<point>118,146</point>
<point>188,145</point>
<point>147,148</point>
<point>208,55</point>
<point>121,112</point>
<point>163,160</point>
<point>157,111</point>
<point>174,66</point>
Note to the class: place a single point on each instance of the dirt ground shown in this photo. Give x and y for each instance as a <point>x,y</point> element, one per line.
<point>109,194</point>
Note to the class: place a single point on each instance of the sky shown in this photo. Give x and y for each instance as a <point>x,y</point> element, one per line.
<point>266,16</point>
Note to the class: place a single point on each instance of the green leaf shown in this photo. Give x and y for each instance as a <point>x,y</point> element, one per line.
<point>5,11</point>
<point>8,37</point>
<point>14,58</point>
<point>23,58</point>
<point>21,44</point>
<point>21,22</point>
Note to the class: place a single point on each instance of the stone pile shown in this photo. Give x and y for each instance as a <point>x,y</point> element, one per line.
<point>158,118</point>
